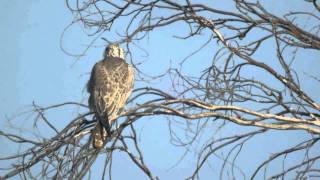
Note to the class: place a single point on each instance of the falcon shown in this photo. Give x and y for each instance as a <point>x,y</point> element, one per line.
<point>110,85</point>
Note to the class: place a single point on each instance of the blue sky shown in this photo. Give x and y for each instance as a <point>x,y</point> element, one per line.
<point>34,68</point>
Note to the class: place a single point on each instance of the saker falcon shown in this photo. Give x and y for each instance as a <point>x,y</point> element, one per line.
<point>110,85</point>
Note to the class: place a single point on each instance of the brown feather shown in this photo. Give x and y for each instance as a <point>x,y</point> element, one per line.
<point>110,85</point>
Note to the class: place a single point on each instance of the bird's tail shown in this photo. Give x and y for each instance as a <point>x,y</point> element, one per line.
<point>99,135</point>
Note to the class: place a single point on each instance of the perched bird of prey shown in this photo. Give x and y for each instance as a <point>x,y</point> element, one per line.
<point>110,85</point>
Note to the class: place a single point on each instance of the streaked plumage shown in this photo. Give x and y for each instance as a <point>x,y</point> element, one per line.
<point>110,85</point>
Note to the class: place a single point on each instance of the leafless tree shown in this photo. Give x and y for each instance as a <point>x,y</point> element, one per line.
<point>243,89</point>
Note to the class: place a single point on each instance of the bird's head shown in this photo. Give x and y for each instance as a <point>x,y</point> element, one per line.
<point>114,50</point>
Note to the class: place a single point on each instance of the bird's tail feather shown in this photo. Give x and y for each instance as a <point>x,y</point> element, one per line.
<point>99,136</point>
